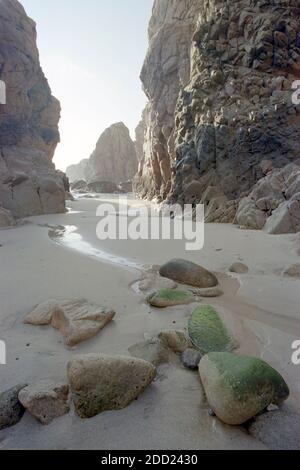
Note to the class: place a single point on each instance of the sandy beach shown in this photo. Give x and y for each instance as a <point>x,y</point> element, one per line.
<point>261,308</point>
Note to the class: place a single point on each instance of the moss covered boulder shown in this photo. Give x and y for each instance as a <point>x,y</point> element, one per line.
<point>189,273</point>
<point>170,297</point>
<point>239,387</point>
<point>207,331</point>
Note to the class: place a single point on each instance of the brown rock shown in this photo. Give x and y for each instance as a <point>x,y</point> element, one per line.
<point>45,400</point>
<point>99,383</point>
<point>186,272</point>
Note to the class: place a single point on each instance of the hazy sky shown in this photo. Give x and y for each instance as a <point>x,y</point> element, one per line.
<point>92,53</point>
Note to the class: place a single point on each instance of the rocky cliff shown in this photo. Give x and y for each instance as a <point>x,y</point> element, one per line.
<point>29,183</point>
<point>220,116</point>
<point>113,160</point>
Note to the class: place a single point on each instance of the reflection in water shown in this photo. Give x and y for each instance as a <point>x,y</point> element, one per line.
<point>70,238</point>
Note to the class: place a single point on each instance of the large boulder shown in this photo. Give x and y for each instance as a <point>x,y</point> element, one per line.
<point>285,219</point>
<point>240,387</point>
<point>186,272</point>
<point>207,331</point>
<point>29,183</point>
<point>99,383</point>
<point>11,409</point>
<point>45,400</point>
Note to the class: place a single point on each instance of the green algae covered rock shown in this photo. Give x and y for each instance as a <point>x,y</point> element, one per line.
<point>240,387</point>
<point>189,273</point>
<point>207,331</point>
<point>170,297</point>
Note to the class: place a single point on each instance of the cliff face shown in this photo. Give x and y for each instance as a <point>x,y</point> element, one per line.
<point>29,134</point>
<point>113,160</point>
<point>166,69</point>
<point>234,118</point>
<point>78,171</point>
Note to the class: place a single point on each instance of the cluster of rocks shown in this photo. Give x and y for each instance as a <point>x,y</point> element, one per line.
<point>29,183</point>
<point>101,187</point>
<point>96,383</point>
<point>113,161</point>
<point>220,123</point>
<point>238,388</point>
<point>77,320</point>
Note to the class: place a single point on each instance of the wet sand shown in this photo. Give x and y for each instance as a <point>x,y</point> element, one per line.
<point>261,308</point>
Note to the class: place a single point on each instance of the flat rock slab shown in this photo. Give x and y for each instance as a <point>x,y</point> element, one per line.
<point>42,313</point>
<point>11,409</point>
<point>207,331</point>
<point>169,298</point>
<point>189,273</point>
<point>278,430</point>
<point>151,350</point>
<point>100,383</point>
<point>77,320</point>
<point>45,400</point>
<point>240,387</point>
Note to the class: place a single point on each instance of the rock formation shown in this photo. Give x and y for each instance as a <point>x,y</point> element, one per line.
<point>77,172</point>
<point>220,115</point>
<point>29,183</point>
<point>113,160</point>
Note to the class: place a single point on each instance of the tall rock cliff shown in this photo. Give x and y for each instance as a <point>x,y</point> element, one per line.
<point>29,183</point>
<point>113,160</point>
<point>234,120</point>
<point>166,69</point>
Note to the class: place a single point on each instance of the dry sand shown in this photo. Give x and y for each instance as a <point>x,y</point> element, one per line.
<point>261,307</point>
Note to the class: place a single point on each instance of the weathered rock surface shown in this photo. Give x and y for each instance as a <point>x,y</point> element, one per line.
<point>166,68</point>
<point>78,172</point>
<point>274,202</point>
<point>240,387</point>
<point>42,313</point>
<point>186,272</point>
<point>77,320</point>
<point>278,430</point>
<point>191,358</point>
<point>11,410</point>
<point>207,331</point>
<point>175,340</point>
<point>151,350</point>
<point>29,183</point>
<point>114,159</point>
<point>45,400</point>
<point>220,116</point>
<point>170,297</point>
<point>6,218</point>
<point>102,187</point>
<point>99,383</point>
